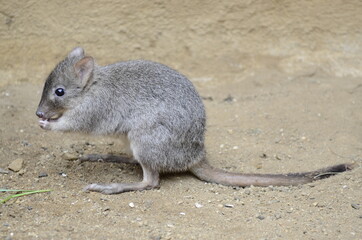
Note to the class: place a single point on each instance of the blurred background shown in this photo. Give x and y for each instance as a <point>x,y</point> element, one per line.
<point>202,39</point>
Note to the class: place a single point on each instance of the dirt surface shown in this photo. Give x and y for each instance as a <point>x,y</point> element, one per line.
<point>262,122</point>
<point>282,85</point>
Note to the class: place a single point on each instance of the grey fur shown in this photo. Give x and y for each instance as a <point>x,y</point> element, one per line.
<point>154,106</point>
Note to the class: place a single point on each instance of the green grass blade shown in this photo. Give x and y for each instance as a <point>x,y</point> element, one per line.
<point>25,192</point>
<point>14,190</point>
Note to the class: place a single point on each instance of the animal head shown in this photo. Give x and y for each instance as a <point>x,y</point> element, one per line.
<point>64,84</point>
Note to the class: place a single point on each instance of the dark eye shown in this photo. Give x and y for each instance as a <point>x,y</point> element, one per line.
<point>59,92</point>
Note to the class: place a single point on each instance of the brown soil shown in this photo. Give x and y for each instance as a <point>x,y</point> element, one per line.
<point>262,122</point>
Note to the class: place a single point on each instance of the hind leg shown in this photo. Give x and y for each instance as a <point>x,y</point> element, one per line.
<point>150,180</point>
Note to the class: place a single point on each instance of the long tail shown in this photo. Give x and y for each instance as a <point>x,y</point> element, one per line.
<point>207,173</point>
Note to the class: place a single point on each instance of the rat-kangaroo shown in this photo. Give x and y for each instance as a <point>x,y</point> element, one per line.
<point>156,108</point>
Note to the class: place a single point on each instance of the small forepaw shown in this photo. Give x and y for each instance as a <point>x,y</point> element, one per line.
<point>45,124</point>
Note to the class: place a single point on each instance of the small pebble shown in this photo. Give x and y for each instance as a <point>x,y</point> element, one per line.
<point>131,204</point>
<point>41,175</point>
<point>260,217</point>
<point>355,206</point>
<point>3,171</point>
<point>228,205</point>
<point>25,143</point>
<point>198,205</point>
<point>16,165</point>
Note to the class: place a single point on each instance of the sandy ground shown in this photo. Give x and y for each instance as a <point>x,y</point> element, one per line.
<point>263,123</point>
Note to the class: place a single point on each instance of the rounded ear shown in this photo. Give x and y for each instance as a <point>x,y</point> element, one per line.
<point>84,69</point>
<point>76,52</point>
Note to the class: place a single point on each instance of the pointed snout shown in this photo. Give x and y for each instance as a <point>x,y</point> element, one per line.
<point>40,114</point>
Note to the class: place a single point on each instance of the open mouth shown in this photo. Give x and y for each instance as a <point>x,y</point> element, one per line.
<point>52,119</point>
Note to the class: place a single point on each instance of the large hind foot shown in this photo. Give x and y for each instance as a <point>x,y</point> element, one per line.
<point>107,158</point>
<point>150,180</point>
<point>115,188</point>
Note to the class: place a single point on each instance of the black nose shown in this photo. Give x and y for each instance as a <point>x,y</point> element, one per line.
<point>40,114</point>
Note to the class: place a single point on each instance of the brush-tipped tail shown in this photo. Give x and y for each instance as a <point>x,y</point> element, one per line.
<point>208,173</point>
